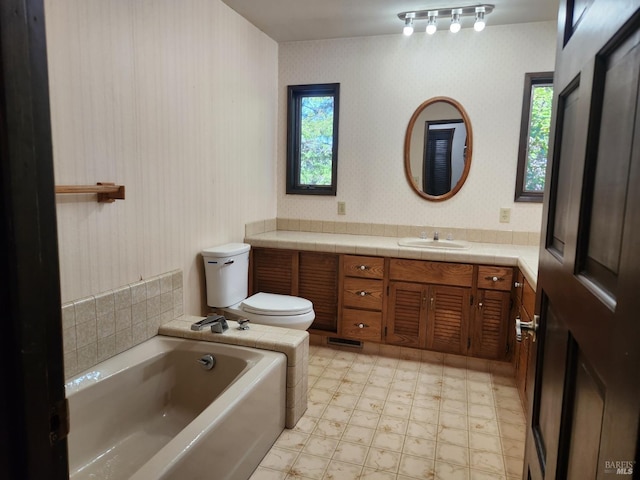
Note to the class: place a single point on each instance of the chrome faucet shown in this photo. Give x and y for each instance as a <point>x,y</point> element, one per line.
<point>436,235</point>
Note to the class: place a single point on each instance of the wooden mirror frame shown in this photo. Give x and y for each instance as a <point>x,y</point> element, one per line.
<point>407,149</point>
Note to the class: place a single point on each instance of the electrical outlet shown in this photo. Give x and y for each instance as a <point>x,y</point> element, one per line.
<point>342,208</point>
<point>505,215</point>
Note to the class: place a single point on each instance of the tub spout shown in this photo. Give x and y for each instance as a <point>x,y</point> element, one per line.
<point>205,322</point>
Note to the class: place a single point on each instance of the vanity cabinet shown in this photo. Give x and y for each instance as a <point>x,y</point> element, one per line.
<point>362,297</point>
<point>429,305</point>
<point>490,326</point>
<point>524,307</point>
<point>310,275</point>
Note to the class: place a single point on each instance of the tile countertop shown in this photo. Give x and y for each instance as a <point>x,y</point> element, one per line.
<point>523,256</point>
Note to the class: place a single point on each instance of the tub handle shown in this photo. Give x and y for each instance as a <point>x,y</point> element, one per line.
<point>243,324</point>
<point>207,361</point>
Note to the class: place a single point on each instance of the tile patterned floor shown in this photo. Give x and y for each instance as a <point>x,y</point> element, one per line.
<point>399,413</point>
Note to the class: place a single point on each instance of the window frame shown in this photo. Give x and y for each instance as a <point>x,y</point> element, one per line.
<point>295,93</point>
<point>530,81</point>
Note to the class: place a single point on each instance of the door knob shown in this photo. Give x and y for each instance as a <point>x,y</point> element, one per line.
<point>531,326</point>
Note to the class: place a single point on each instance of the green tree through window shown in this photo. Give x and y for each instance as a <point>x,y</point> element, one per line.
<point>534,136</point>
<point>312,139</point>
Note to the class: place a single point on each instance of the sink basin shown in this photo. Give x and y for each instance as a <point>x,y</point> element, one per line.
<point>435,244</point>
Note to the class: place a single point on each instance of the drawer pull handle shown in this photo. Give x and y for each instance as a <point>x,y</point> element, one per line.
<point>362,293</point>
<point>361,325</point>
<point>362,267</point>
<point>518,284</point>
<point>495,279</point>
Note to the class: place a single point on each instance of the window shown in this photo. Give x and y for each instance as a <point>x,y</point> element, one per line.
<point>312,139</point>
<point>534,136</point>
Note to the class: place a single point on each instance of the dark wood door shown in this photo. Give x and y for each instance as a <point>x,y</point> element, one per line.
<point>584,403</point>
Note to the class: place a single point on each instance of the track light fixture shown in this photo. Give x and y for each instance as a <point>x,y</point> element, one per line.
<point>456,14</point>
<point>408,24</point>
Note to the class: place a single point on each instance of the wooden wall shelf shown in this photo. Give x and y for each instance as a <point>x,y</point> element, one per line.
<point>107,192</point>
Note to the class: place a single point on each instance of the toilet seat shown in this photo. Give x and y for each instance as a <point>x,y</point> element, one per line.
<point>270,304</point>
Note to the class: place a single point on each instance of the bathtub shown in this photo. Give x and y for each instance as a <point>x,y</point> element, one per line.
<point>152,412</point>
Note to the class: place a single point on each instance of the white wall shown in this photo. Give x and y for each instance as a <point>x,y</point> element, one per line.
<point>176,100</point>
<point>382,81</point>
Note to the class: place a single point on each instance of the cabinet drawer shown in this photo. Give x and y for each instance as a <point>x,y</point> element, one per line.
<point>457,274</point>
<point>495,278</point>
<point>361,325</point>
<point>364,267</point>
<point>362,293</point>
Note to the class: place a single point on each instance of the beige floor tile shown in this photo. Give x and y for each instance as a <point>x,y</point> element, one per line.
<point>419,447</point>
<point>427,401</point>
<point>482,411</point>
<point>480,398</point>
<point>348,387</point>
<point>371,391</point>
<point>388,441</point>
<point>329,384</point>
<point>509,403</point>
<point>358,434</point>
<point>512,430</point>
<point>344,400</point>
<point>364,419</point>
<point>292,440</point>
<point>510,416</point>
<point>262,473</point>
<point>370,405</point>
<point>425,415</point>
<point>455,454</point>
<point>329,428</point>
<point>279,459</point>
<point>513,448</point>
<point>320,446</point>
<point>487,461</point>
<point>342,471</point>
<point>310,466</point>
<point>453,420</point>
<point>356,377</point>
<point>351,453</point>
<point>453,436</point>
<point>455,406</point>
<point>337,414</point>
<point>390,424</point>
<point>484,442</point>
<point>480,475</point>
<point>454,383</point>
<point>480,385</point>
<point>416,467</point>
<point>396,410</point>
<point>484,425</point>
<point>306,424</point>
<point>448,471</point>
<point>454,372</point>
<point>374,474</point>
<point>318,395</point>
<point>399,396</point>
<point>384,460</point>
<point>454,393</point>
<point>428,431</point>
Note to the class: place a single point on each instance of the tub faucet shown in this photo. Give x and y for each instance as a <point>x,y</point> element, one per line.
<point>436,235</point>
<point>242,324</point>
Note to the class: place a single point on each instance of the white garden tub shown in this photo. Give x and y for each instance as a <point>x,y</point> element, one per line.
<point>152,412</point>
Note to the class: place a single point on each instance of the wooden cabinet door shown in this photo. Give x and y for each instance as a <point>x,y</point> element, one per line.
<point>274,271</point>
<point>490,325</point>
<point>407,314</point>
<point>448,319</point>
<point>318,283</point>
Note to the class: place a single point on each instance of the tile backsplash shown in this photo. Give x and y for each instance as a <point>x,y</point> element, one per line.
<point>386,230</point>
<point>100,326</point>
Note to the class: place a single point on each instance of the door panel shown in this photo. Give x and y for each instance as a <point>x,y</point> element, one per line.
<point>582,379</point>
<point>406,321</point>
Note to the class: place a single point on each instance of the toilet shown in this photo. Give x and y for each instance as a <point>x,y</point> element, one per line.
<point>227,277</point>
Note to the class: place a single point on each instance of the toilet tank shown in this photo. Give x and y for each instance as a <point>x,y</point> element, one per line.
<point>226,270</point>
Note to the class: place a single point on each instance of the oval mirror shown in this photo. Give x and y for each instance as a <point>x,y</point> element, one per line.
<point>437,149</point>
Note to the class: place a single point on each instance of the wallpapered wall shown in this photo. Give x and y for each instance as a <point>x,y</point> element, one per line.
<point>176,101</point>
<point>382,81</point>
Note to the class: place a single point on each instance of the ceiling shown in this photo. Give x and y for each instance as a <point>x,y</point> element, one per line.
<point>296,20</point>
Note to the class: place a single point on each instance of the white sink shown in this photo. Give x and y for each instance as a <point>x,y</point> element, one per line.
<point>431,243</point>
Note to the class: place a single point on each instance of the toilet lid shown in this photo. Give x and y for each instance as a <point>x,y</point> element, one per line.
<point>272,304</point>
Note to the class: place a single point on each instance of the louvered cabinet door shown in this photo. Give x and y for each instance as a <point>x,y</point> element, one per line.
<point>407,314</point>
<point>318,283</point>
<point>489,337</point>
<point>274,271</point>
<point>448,319</point>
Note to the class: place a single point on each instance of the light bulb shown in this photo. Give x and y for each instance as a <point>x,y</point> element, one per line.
<point>431,26</point>
<point>455,22</point>
<point>408,26</point>
<point>479,24</point>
